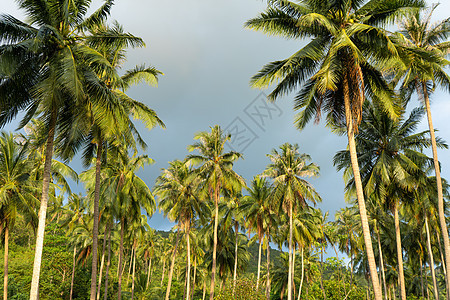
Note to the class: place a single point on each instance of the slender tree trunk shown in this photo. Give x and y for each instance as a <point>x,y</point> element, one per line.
<point>100,275</point>
<point>194,278</point>
<point>188,245</point>
<point>164,270</point>
<point>172,265</point>
<point>98,165</point>
<point>236,228</point>
<point>131,264</point>
<point>421,276</point>
<point>216,225</point>
<point>360,193</point>
<point>148,273</point>
<point>259,264</point>
<point>34,291</point>
<point>204,290</point>
<point>122,224</point>
<point>5,275</point>
<point>290,277</point>
<point>268,266</point>
<point>380,250</point>
<point>442,261</point>
<point>433,276</point>
<point>293,268</point>
<point>303,274</point>
<point>437,170</point>
<point>73,272</point>
<point>351,270</point>
<point>401,277</point>
<point>108,263</point>
<point>321,271</point>
<point>134,270</point>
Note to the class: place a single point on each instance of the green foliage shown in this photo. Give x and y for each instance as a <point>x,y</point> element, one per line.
<point>245,290</point>
<point>335,290</point>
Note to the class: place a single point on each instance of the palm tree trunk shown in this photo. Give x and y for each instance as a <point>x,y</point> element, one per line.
<point>164,270</point>
<point>102,264</point>
<point>289,291</point>
<point>188,245</point>
<point>380,250</point>
<point>34,291</point>
<point>293,269</point>
<point>430,252</point>
<point>5,275</point>
<point>204,290</point>
<point>360,193</point>
<point>108,263</point>
<point>268,267</point>
<point>321,271</point>
<point>98,165</point>
<point>73,272</point>
<point>401,277</point>
<point>216,225</point>
<point>122,224</point>
<point>236,228</point>
<point>259,264</point>
<point>148,274</point>
<point>194,278</point>
<point>421,276</point>
<point>172,265</point>
<point>131,264</point>
<point>437,170</point>
<point>134,270</point>
<point>303,274</point>
<point>442,262</point>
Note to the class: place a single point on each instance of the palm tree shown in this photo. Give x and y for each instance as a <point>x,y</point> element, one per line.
<point>16,190</point>
<point>131,193</point>
<point>391,153</point>
<point>259,215</point>
<point>49,71</point>
<point>176,189</point>
<point>291,192</point>
<point>216,170</point>
<point>334,69</point>
<point>423,47</point>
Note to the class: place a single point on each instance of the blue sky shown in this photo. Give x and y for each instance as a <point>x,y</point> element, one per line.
<point>208,58</point>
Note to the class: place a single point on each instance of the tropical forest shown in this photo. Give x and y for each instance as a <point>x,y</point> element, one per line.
<point>120,179</point>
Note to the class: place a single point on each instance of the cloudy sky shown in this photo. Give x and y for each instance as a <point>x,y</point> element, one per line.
<point>208,57</point>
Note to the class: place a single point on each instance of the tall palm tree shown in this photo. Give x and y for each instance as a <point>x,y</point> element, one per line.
<point>131,193</point>
<point>176,189</point>
<point>257,208</point>
<point>423,48</point>
<point>216,169</point>
<point>16,190</point>
<point>287,169</point>
<point>49,71</point>
<point>334,69</point>
<point>390,154</point>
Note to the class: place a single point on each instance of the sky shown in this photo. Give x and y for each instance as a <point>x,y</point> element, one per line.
<point>208,57</point>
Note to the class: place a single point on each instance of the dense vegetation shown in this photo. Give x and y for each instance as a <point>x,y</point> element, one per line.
<point>235,237</point>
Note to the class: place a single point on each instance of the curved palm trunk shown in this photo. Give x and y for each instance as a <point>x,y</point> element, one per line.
<point>164,271</point>
<point>148,274</point>
<point>360,193</point>
<point>172,265</point>
<point>236,228</point>
<point>268,267</point>
<point>401,277</point>
<point>290,277</point>
<point>134,270</point>
<point>34,291</point>
<point>301,280</point>
<point>122,221</point>
<point>73,272</point>
<point>108,262</point>
<point>216,225</point>
<point>259,264</point>
<point>188,245</point>
<point>98,165</point>
<point>430,253</point>
<point>381,261</point>
<point>5,275</point>
<point>437,170</point>
<point>102,263</point>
